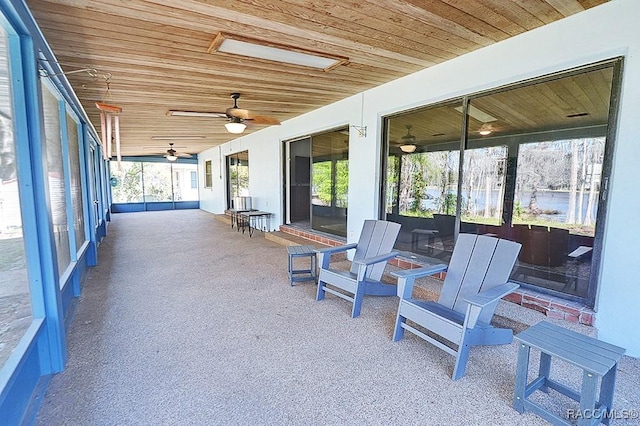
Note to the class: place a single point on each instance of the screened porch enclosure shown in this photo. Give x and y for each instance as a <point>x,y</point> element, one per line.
<point>145,184</point>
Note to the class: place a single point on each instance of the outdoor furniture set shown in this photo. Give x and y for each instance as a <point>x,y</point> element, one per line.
<point>477,277</point>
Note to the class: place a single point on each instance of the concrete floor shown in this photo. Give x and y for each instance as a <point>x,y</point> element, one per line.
<point>186,321</point>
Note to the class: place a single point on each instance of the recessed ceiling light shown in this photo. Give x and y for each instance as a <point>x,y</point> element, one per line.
<point>245,46</point>
<point>178,137</point>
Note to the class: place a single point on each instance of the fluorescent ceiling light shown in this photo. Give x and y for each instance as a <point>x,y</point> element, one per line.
<point>479,115</point>
<point>244,46</point>
<point>195,114</point>
<point>178,137</point>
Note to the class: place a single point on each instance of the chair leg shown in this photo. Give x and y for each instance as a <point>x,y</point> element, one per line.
<point>461,359</point>
<point>357,300</point>
<point>320,294</point>
<point>398,332</point>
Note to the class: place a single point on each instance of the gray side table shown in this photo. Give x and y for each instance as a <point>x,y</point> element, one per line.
<point>596,358</point>
<point>297,275</point>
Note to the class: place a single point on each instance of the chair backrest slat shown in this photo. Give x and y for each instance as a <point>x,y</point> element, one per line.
<point>478,263</point>
<point>377,237</point>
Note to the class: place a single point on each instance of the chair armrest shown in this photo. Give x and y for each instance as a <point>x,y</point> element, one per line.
<point>420,272</point>
<point>336,249</point>
<point>324,255</point>
<point>485,298</point>
<point>407,277</point>
<point>479,301</point>
<point>363,264</point>
<point>376,259</point>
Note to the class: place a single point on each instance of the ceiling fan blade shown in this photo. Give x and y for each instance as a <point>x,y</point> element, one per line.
<point>245,114</point>
<point>183,155</point>
<point>263,119</point>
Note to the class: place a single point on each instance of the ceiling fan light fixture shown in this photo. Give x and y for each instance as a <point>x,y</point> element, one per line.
<point>408,141</point>
<point>409,148</point>
<point>171,158</point>
<point>235,126</point>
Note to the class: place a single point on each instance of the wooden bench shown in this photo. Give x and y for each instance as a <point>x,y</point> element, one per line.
<point>597,359</point>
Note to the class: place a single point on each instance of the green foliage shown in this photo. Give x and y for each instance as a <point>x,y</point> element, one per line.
<point>447,204</point>
<point>129,187</point>
<point>518,210</point>
<point>324,184</point>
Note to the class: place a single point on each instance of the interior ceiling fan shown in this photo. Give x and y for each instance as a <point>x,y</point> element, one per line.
<point>238,117</point>
<point>171,154</point>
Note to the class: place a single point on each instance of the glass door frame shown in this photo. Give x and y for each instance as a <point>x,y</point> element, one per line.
<point>607,164</point>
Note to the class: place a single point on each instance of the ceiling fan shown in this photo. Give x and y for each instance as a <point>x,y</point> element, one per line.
<point>407,143</point>
<point>238,117</point>
<point>172,155</point>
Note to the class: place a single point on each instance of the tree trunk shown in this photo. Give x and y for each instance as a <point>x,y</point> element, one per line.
<point>583,178</point>
<point>487,197</point>
<point>573,183</point>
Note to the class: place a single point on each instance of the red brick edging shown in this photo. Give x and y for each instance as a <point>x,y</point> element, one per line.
<point>553,307</point>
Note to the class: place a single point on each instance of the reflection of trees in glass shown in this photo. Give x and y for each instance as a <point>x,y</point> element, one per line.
<point>393,163</point>
<point>239,176</point>
<point>328,191</point>
<point>428,183</point>
<point>483,184</point>
<point>558,182</point>
<point>342,182</point>
<point>321,181</point>
<point>129,186</point>
<point>77,200</point>
<point>55,172</point>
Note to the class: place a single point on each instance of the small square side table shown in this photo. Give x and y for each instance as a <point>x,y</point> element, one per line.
<point>297,275</point>
<point>596,358</point>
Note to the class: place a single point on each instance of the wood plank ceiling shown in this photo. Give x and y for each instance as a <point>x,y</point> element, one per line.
<point>151,56</point>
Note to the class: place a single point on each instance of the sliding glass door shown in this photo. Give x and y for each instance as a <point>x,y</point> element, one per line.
<point>532,169</point>
<point>330,182</point>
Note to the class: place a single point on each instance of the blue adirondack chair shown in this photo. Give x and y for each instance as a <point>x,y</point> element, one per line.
<point>373,250</point>
<point>477,278</point>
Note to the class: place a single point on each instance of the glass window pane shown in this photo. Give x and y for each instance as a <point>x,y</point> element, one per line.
<point>194,179</point>
<point>208,179</point>
<point>76,182</point>
<point>483,185</point>
<point>57,192</point>
<point>184,177</point>
<point>126,182</point>
<point>555,132</point>
<point>15,301</point>
<point>237,176</point>
<point>422,178</point>
<point>330,182</point>
<point>157,182</point>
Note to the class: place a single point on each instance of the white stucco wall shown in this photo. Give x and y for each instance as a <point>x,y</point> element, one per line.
<point>600,33</point>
